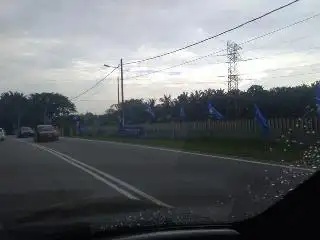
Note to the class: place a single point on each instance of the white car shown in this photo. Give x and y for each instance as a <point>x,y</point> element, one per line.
<point>2,134</point>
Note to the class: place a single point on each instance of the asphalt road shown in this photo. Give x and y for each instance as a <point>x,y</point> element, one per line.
<point>34,177</point>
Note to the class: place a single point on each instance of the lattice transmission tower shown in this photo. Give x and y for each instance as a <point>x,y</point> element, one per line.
<point>233,57</point>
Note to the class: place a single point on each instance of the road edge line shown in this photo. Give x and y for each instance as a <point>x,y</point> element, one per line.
<point>235,159</point>
<point>114,179</point>
<point>90,172</point>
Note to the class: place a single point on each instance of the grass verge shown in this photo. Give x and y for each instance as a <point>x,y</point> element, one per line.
<point>247,148</point>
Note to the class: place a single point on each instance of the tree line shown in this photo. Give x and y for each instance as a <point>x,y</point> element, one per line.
<point>17,109</point>
<point>278,102</point>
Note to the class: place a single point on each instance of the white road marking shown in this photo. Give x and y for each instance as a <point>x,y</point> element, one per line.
<point>112,178</point>
<point>196,154</point>
<point>93,174</point>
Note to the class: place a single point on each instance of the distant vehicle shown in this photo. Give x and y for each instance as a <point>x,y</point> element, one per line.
<point>25,132</point>
<point>2,134</point>
<point>45,133</point>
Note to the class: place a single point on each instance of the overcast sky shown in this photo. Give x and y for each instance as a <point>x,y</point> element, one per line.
<point>61,46</point>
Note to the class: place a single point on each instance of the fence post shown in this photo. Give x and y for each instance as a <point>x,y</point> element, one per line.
<point>315,120</point>
<point>173,133</point>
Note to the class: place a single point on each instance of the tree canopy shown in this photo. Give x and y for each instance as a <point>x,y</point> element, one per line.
<point>286,102</point>
<point>17,109</point>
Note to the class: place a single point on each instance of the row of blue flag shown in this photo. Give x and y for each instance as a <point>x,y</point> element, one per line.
<point>211,111</point>
<point>214,113</point>
<point>259,118</point>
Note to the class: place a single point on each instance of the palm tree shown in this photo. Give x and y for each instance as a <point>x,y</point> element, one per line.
<point>166,101</point>
<point>151,102</point>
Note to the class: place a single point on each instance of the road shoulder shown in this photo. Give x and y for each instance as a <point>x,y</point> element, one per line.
<point>178,150</point>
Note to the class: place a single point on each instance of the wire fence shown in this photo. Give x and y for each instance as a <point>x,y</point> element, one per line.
<point>302,129</point>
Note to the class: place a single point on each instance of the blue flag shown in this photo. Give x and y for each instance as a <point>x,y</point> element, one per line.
<point>120,122</point>
<point>76,118</point>
<point>317,97</point>
<point>149,110</point>
<point>214,112</point>
<point>182,113</point>
<point>260,118</point>
<point>78,127</point>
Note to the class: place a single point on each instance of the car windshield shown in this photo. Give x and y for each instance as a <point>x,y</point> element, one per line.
<point>205,107</point>
<point>45,128</point>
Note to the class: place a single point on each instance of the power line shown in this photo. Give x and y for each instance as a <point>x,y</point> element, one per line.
<point>222,50</point>
<point>293,75</point>
<point>280,29</point>
<point>270,77</point>
<point>202,57</point>
<point>242,60</point>
<point>278,43</point>
<point>297,74</point>
<point>95,85</point>
<point>94,100</point>
<point>257,58</point>
<point>270,56</point>
<point>285,68</point>
<point>278,69</point>
<point>275,69</point>
<point>313,71</point>
<point>217,35</point>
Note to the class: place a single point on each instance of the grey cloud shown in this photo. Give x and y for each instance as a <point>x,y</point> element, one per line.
<point>174,73</point>
<point>52,43</point>
<point>143,71</point>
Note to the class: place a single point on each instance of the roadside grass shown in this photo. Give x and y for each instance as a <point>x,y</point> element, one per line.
<point>259,150</point>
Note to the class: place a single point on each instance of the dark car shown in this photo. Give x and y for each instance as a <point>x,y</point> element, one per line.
<point>25,132</point>
<point>2,134</point>
<point>46,133</point>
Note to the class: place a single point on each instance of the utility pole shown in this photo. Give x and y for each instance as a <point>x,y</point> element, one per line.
<point>19,118</point>
<point>122,96</point>
<point>45,112</point>
<point>121,75</point>
<point>118,88</point>
<point>45,115</point>
<point>118,82</point>
<point>233,56</point>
